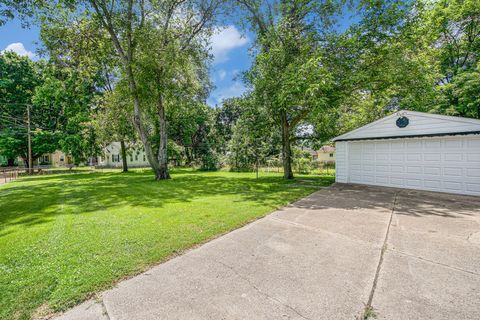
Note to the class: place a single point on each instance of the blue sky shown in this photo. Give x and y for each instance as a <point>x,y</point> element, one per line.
<point>229,47</point>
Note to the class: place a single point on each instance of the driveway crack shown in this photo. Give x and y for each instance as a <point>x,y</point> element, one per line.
<point>368,307</point>
<point>263,293</point>
<point>433,262</point>
<point>104,308</point>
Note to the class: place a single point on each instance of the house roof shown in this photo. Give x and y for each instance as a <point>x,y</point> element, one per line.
<point>420,124</point>
<point>327,149</point>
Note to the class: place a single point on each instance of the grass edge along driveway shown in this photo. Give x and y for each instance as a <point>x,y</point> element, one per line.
<point>65,237</point>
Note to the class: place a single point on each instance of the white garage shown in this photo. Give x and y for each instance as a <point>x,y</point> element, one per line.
<point>413,150</point>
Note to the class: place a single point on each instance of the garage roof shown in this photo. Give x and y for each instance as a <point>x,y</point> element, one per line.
<point>406,123</point>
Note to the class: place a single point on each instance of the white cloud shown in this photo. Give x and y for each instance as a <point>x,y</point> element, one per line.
<point>222,74</point>
<point>225,40</point>
<point>19,48</point>
<point>235,90</point>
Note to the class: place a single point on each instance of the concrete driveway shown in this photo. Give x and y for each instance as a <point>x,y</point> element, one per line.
<point>406,254</point>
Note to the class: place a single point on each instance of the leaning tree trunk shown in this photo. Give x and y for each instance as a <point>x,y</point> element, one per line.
<point>147,146</point>
<point>127,59</point>
<point>124,155</point>
<point>162,150</point>
<point>286,150</point>
<point>138,124</point>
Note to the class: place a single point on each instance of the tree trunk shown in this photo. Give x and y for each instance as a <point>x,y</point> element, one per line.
<point>162,150</point>
<point>138,124</point>
<point>152,160</point>
<point>188,155</point>
<point>286,150</point>
<point>124,155</point>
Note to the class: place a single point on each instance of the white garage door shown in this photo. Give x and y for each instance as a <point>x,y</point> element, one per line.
<point>450,164</point>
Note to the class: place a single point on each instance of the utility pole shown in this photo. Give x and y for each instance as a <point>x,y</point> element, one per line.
<point>30,161</point>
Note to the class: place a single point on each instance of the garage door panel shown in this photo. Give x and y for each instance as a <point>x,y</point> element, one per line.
<point>455,157</point>
<point>395,181</point>
<point>382,168</point>
<point>434,184</point>
<point>382,156</point>
<point>413,182</point>
<point>453,144</point>
<point>473,157</point>
<point>369,156</point>
<point>382,146</point>
<point>397,157</point>
<point>414,157</point>
<point>368,167</point>
<point>473,143</point>
<point>436,171</point>
<point>473,187</point>
<point>433,144</point>
<point>369,178</point>
<point>414,144</point>
<point>356,179</point>
<point>432,157</point>
<point>356,167</point>
<point>473,172</point>
<point>451,185</point>
<point>383,180</point>
<point>397,169</point>
<point>453,172</point>
<point>450,164</point>
<point>414,169</point>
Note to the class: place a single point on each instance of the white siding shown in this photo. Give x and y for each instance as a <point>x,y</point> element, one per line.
<point>446,164</point>
<point>341,162</point>
<point>419,124</point>
<point>135,158</point>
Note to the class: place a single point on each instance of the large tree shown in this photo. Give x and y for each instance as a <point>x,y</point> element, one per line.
<point>20,78</point>
<point>160,50</point>
<point>291,76</point>
<point>453,32</point>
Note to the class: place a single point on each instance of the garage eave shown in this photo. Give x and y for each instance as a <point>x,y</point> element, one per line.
<point>408,136</point>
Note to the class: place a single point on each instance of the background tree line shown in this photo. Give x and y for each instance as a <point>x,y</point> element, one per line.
<point>137,71</point>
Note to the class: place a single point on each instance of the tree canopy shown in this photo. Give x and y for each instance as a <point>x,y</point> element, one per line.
<point>140,70</point>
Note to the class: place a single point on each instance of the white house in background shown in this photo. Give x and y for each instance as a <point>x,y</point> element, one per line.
<point>325,154</point>
<point>413,150</point>
<point>112,157</point>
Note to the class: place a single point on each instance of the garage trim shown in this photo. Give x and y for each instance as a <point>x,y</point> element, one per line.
<point>412,136</point>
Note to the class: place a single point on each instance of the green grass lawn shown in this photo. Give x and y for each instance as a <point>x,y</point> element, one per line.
<point>64,237</point>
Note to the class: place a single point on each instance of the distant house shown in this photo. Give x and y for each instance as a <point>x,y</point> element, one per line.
<point>59,159</point>
<point>112,157</point>
<point>55,159</point>
<point>325,154</point>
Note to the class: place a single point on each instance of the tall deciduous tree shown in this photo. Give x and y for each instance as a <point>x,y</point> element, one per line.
<point>156,43</point>
<point>454,34</point>
<point>20,78</point>
<point>290,76</point>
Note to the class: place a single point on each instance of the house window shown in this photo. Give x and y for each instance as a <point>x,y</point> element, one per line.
<point>331,155</point>
<point>115,158</point>
<point>131,158</point>
<point>136,157</point>
<point>144,158</point>
<point>62,158</point>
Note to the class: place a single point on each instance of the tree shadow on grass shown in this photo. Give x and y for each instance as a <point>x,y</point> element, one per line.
<point>35,200</point>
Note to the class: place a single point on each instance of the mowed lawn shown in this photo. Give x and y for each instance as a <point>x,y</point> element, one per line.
<point>65,237</point>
